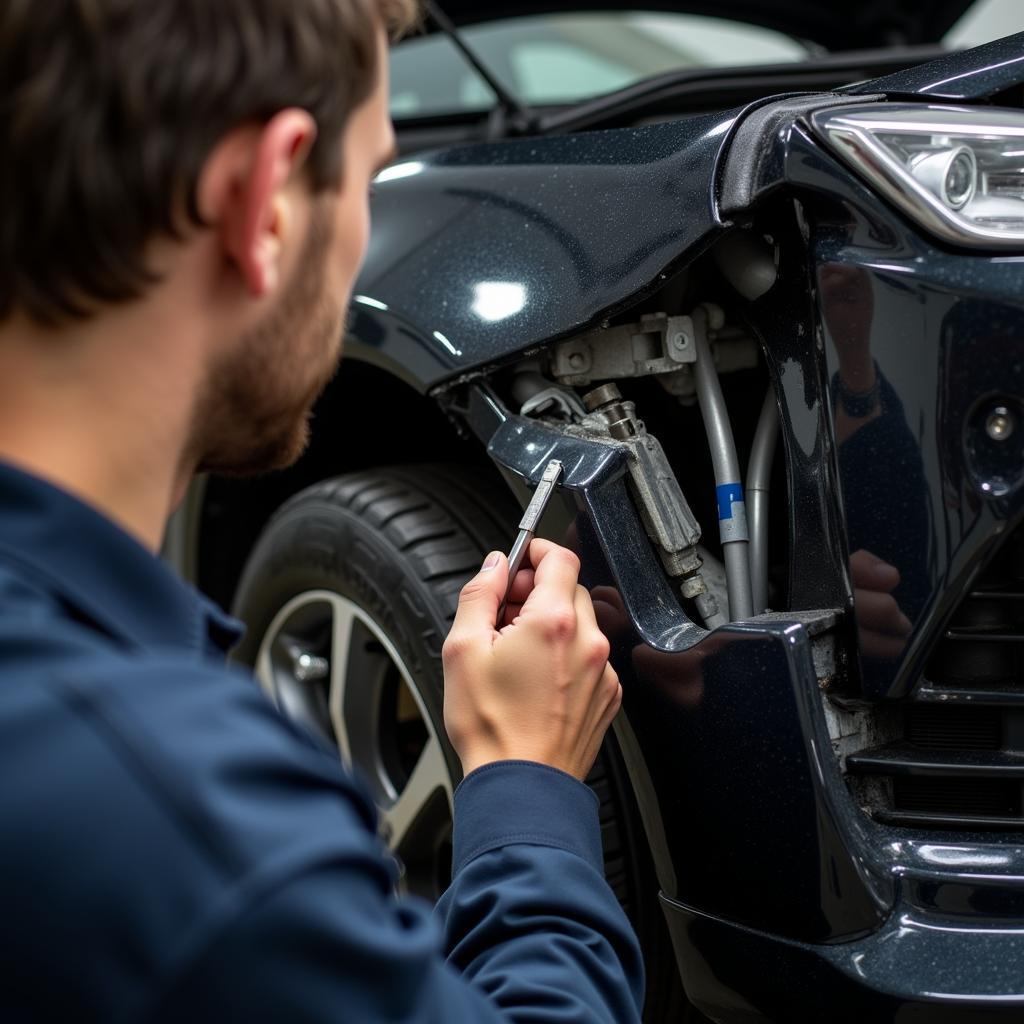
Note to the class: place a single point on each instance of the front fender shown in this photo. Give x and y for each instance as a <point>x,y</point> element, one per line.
<point>482,252</point>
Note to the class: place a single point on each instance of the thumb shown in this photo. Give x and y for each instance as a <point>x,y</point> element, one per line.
<point>481,596</point>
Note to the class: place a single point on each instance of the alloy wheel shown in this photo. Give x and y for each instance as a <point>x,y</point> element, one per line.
<point>329,667</point>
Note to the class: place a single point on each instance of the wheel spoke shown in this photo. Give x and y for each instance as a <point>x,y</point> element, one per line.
<point>264,668</point>
<point>428,776</point>
<point>343,624</point>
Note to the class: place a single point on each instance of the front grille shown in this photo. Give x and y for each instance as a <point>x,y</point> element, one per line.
<point>953,728</point>
<point>959,762</point>
<point>946,796</point>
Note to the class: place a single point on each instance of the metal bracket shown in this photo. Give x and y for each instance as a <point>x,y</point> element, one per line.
<point>663,506</point>
<point>555,400</point>
<point>658,344</point>
<point>596,474</point>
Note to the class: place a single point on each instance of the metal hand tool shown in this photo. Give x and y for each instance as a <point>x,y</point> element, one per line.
<point>528,524</point>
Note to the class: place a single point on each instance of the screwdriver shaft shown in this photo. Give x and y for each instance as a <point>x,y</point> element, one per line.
<point>528,524</point>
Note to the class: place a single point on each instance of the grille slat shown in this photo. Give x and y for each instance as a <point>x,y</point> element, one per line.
<point>897,760</point>
<point>951,728</point>
<point>985,797</point>
<point>981,633</point>
<point>999,695</point>
<point>960,763</point>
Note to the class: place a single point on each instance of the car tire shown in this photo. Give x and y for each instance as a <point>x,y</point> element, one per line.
<point>372,564</point>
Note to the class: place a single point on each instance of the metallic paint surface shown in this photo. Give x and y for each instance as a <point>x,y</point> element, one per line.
<point>488,250</point>
<point>946,331</point>
<point>916,967</point>
<point>784,900</point>
<point>974,74</point>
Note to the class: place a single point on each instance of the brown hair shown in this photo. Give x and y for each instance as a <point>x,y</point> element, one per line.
<point>109,108</point>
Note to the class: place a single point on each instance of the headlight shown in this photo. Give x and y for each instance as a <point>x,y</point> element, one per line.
<point>958,171</point>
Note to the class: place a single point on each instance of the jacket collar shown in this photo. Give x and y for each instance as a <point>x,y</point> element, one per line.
<point>104,574</point>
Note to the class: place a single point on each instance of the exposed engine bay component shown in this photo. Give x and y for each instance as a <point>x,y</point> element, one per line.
<point>597,476</point>
<point>732,509</point>
<point>537,396</point>
<point>759,474</point>
<point>554,401</point>
<point>665,512</point>
<point>712,572</point>
<point>659,343</point>
<point>619,415</point>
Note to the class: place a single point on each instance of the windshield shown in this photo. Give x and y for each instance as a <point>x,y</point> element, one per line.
<point>984,21</point>
<point>563,58</point>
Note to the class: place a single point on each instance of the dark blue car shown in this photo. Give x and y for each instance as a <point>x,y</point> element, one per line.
<point>754,274</point>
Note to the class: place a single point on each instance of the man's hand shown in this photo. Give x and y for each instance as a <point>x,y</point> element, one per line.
<point>541,688</point>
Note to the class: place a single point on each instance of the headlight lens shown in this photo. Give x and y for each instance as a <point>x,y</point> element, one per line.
<point>951,174</point>
<point>958,171</point>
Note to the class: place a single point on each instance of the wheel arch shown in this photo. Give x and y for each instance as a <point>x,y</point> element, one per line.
<point>366,418</point>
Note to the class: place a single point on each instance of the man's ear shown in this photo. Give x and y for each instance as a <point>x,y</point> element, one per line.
<point>242,192</point>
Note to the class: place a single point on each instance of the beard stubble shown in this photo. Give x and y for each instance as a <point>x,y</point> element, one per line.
<point>255,415</point>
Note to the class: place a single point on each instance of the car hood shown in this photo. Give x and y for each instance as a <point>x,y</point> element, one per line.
<point>973,75</point>
<point>850,26</point>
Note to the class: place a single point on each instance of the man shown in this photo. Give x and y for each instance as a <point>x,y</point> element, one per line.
<point>184,209</point>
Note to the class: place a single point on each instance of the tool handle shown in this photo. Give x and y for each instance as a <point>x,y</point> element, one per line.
<point>541,497</point>
<point>516,557</point>
<point>528,526</point>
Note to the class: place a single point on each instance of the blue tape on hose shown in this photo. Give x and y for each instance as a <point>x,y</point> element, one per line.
<point>727,495</point>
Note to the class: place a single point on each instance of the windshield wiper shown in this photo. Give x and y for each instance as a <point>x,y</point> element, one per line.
<point>509,117</point>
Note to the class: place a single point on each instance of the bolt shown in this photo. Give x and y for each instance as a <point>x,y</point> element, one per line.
<point>310,667</point>
<point>576,360</point>
<point>1000,423</point>
<point>603,395</point>
<point>680,340</point>
<point>622,427</point>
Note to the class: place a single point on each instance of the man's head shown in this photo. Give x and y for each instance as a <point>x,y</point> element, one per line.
<point>231,140</point>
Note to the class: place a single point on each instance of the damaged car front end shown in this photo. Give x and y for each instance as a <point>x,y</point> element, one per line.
<point>779,352</point>
<point>825,818</point>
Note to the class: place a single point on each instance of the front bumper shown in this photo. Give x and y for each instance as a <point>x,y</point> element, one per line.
<point>916,967</point>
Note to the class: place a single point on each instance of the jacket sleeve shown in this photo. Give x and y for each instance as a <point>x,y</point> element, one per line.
<point>529,918</point>
<point>532,930</point>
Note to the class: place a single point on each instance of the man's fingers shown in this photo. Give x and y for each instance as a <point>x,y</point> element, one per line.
<point>556,573</point>
<point>603,711</point>
<point>521,587</point>
<point>511,613</point>
<point>539,549</point>
<point>520,590</point>
<point>585,617</point>
<point>480,598</point>
<point>871,573</point>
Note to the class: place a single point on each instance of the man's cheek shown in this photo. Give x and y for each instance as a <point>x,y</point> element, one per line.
<point>352,239</point>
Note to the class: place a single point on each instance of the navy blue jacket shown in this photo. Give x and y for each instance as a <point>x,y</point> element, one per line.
<point>171,849</point>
